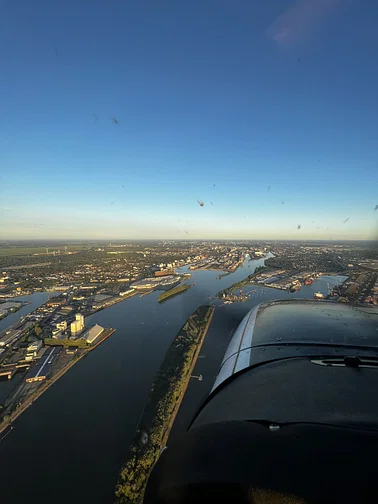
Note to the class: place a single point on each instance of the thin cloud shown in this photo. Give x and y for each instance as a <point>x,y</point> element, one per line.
<point>300,21</point>
<point>27,225</point>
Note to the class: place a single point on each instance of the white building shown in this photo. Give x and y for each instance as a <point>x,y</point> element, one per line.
<point>75,327</point>
<point>93,333</point>
<point>78,325</point>
<point>34,347</point>
<point>129,291</point>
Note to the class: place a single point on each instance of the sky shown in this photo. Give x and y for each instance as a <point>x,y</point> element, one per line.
<point>118,117</point>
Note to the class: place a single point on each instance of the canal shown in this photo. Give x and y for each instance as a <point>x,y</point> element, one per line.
<point>70,444</point>
<point>35,300</point>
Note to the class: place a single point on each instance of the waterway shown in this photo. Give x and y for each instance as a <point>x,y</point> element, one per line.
<point>35,300</point>
<point>77,434</point>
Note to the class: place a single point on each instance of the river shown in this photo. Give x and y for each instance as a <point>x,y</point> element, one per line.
<point>70,444</point>
<point>35,300</point>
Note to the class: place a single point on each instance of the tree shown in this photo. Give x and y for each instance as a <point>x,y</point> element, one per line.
<point>37,330</point>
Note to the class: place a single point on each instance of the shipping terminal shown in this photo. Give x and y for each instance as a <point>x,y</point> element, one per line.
<point>47,365</point>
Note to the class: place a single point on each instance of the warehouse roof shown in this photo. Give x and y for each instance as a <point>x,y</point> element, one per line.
<point>93,333</point>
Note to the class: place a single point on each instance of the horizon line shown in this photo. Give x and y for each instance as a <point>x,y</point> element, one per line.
<point>2,240</point>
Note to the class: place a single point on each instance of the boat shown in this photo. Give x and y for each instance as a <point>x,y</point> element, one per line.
<point>308,281</point>
<point>318,295</point>
<point>295,286</point>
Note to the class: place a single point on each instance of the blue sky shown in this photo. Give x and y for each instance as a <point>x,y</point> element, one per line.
<point>240,104</point>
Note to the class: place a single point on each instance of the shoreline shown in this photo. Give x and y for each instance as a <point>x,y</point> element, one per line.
<point>186,383</point>
<point>47,384</point>
<point>167,392</point>
<point>173,292</point>
<point>242,283</point>
<point>14,310</point>
<point>92,312</point>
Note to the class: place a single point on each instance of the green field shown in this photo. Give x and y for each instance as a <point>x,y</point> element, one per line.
<point>80,343</point>
<point>25,251</point>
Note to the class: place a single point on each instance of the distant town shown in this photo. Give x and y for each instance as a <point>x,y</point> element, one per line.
<point>84,278</point>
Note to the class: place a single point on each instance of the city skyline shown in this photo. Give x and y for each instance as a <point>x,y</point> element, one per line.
<point>266,114</point>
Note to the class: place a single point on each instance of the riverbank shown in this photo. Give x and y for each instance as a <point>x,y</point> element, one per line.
<point>95,388</point>
<point>165,398</point>
<point>14,309</point>
<point>111,303</point>
<point>28,401</point>
<point>188,377</point>
<point>237,285</point>
<point>35,395</point>
<point>11,295</point>
<point>173,292</point>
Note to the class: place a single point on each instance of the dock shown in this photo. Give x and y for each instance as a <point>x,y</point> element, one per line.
<point>43,385</point>
<point>106,334</point>
<point>9,370</point>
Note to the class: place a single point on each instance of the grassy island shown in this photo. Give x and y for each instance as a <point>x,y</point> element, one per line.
<point>173,292</point>
<point>166,395</point>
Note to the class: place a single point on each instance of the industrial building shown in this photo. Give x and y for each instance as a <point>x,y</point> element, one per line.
<point>126,292</point>
<point>35,346</point>
<point>65,310</point>
<point>104,301</point>
<point>71,350</point>
<point>56,302</point>
<point>93,333</point>
<point>42,370</point>
<point>33,349</point>
<point>7,338</point>
<point>152,282</point>
<point>164,272</point>
<point>62,325</point>
<point>78,325</point>
<point>100,298</point>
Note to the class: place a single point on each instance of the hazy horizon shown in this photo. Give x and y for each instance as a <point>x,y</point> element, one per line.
<point>115,241</point>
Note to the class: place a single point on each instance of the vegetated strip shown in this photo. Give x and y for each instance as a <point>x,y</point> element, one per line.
<point>173,292</point>
<point>242,283</point>
<point>166,395</point>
